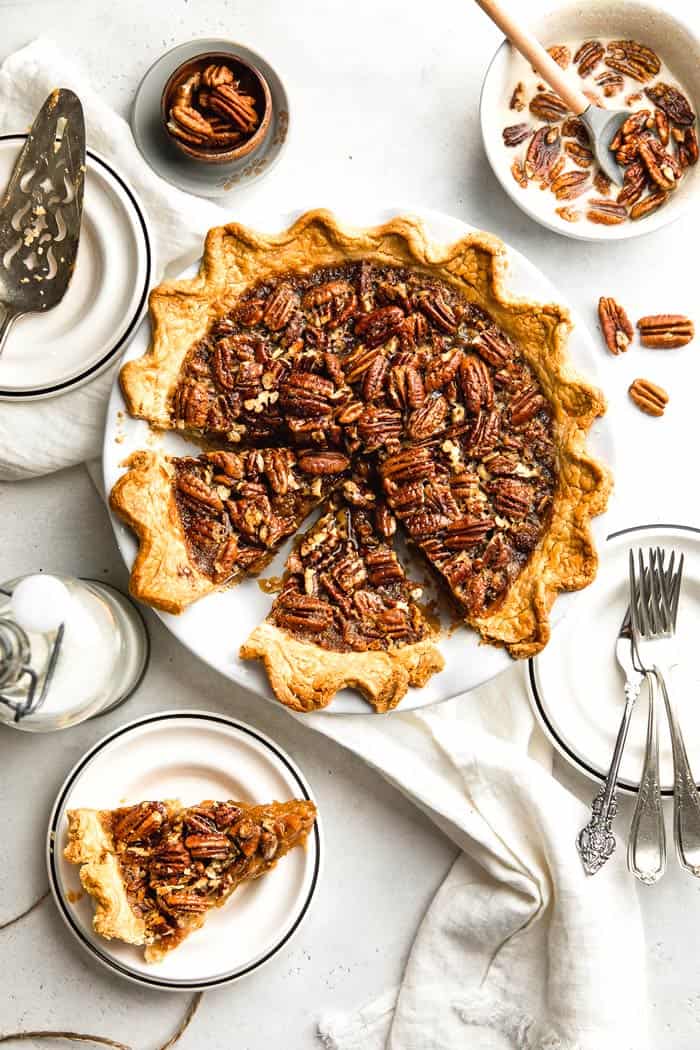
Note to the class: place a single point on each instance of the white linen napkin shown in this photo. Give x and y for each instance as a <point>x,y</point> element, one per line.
<point>43,436</point>
<point>519,951</point>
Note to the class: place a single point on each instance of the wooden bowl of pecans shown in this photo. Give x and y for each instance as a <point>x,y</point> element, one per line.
<point>216,108</point>
<point>624,55</point>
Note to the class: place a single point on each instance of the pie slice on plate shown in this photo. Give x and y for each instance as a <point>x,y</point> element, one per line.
<point>395,354</point>
<point>156,869</point>
<point>346,614</point>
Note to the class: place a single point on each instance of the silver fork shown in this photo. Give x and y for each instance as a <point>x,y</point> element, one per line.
<point>657,606</point>
<point>646,847</point>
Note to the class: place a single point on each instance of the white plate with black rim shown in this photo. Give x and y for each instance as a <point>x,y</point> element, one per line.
<point>215,627</point>
<point>191,756</point>
<point>576,686</point>
<point>54,352</point>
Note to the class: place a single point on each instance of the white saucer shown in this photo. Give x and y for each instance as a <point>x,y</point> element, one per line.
<point>190,755</point>
<point>52,353</point>
<point>205,180</point>
<point>576,684</point>
<point>215,627</point>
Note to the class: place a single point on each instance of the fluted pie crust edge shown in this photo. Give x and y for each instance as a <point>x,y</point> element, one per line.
<point>236,257</point>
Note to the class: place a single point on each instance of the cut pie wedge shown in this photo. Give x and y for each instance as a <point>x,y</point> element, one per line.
<point>156,869</point>
<point>208,521</point>
<point>346,615</point>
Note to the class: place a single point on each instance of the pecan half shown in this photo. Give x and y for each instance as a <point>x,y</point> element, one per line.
<point>378,326</point>
<point>197,490</point>
<point>661,167</point>
<point>579,154</point>
<point>511,498</point>
<point>494,346</point>
<point>214,75</point>
<point>601,183</point>
<point>610,83</point>
<point>588,56</point>
<point>605,212</point>
<point>466,532</point>
<point>615,325</point>
<point>525,406</point>
<point>305,611</point>
<point>542,152</point>
<point>648,204</point>
<point>428,419</point>
<point>476,383</point>
<point>665,331</point>
<point>672,102</point>
<point>662,126</point>
<point>188,124</point>
<point>515,134</point>
<point>318,463</point>
<point>331,304</point>
<point>548,106</point>
<point>574,128</point>
<point>437,309</point>
<point>649,397</point>
<point>633,59</point>
<point>570,185</point>
<point>633,184</point>
<point>235,106</point>
<point>280,307</point>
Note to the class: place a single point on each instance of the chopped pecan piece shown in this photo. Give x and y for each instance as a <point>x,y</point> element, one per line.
<point>633,184</point>
<point>615,325</point>
<point>661,167</point>
<point>574,128</point>
<point>515,134</point>
<point>601,183</point>
<point>606,212</point>
<point>662,126</point>
<point>542,152</point>
<point>561,54</point>
<point>517,99</point>
<point>632,59</point>
<point>548,106</point>
<point>568,214</point>
<point>648,397</point>
<point>665,331</point>
<point>672,102</point>
<point>588,56</point>
<point>518,172</point>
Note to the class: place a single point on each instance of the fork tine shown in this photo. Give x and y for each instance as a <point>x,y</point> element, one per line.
<point>659,613</point>
<point>643,607</point>
<point>676,590</point>
<point>664,592</point>
<point>634,597</point>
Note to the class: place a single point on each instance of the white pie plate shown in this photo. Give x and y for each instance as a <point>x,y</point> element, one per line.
<point>576,684</point>
<point>51,353</point>
<point>191,756</point>
<point>215,627</point>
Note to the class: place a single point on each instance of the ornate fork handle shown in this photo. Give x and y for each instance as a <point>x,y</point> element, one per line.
<point>686,800</point>
<point>596,842</point>
<point>646,850</point>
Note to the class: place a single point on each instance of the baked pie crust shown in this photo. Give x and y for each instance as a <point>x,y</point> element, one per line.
<point>236,259</point>
<point>156,869</point>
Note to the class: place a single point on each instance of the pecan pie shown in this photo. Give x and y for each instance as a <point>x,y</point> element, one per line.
<point>346,614</point>
<point>156,869</point>
<point>369,358</point>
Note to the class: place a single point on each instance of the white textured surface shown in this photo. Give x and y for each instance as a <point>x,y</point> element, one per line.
<point>384,106</point>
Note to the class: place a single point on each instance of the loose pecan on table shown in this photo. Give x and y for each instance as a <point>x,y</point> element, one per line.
<point>648,397</point>
<point>615,325</point>
<point>665,331</point>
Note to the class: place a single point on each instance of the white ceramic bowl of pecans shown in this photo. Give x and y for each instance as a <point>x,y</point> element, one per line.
<point>626,55</point>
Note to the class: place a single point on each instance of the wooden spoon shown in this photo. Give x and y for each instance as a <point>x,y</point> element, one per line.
<point>602,124</point>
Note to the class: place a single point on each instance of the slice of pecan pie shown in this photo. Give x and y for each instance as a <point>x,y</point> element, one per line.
<point>156,869</point>
<point>206,521</point>
<point>406,357</point>
<point>346,614</point>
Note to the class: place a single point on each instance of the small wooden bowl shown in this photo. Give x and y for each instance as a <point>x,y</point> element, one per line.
<point>252,82</point>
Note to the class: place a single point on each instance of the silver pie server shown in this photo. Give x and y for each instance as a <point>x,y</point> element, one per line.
<point>41,211</point>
